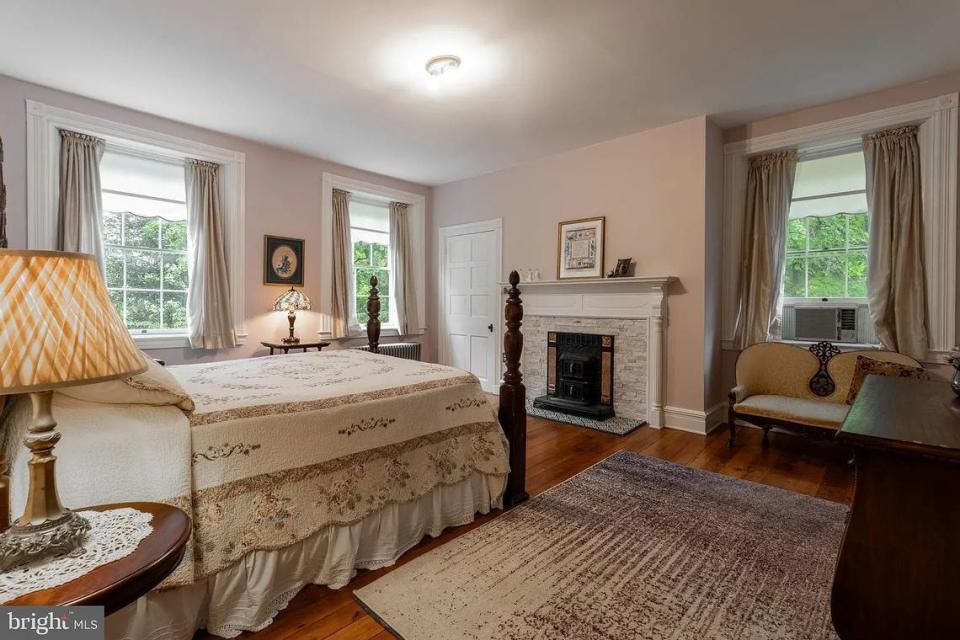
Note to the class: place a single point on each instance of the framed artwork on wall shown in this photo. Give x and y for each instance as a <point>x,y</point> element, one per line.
<point>580,248</point>
<point>282,261</point>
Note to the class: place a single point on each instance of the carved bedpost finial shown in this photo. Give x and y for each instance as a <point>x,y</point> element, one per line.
<point>373,313</point>
<point>513,396</point>
<point>512,338</point>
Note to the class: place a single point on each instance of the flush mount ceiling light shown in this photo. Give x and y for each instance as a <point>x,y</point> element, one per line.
<point>440,65</point>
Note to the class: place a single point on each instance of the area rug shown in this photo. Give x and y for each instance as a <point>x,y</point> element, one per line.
<point>632,548</point>
<point>615,425</point>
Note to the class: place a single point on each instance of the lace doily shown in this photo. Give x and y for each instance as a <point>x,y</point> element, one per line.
<point>113,535</point>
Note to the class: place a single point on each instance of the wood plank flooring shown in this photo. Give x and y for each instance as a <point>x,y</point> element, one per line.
<point>556,452</point>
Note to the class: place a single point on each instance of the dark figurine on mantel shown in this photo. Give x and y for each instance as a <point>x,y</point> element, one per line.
<point>622,270</point>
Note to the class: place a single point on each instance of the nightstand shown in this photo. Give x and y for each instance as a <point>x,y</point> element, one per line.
<point>117,584</point>
<point>287,346</point>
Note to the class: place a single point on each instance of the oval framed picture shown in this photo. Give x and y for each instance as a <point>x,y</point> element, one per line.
<point>282,261</point>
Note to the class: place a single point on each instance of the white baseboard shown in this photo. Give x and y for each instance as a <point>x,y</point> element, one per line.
<point>700,422</point>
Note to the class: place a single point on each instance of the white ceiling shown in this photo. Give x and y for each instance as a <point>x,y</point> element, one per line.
<point>345,80</point>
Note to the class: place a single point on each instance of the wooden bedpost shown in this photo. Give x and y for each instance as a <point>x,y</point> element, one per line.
<point>373,311</point>
<point>513,397</point>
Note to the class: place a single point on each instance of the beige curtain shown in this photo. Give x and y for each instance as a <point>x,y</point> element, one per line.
<point>342,262</point>
<point>209,307</point>
<point>769,189</point>
<point>80,216</point>
<point>405,299</point>
<point>895,277</point>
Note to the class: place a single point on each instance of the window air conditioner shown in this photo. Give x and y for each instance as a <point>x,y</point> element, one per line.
<point>824,321</point>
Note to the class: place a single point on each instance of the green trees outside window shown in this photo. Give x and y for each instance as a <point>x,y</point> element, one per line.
<point>827,257</point>
<point>371,259</point>
<point>146,269</point>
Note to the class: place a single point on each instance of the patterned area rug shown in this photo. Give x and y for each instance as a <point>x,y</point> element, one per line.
<point>632,548</point>
<point>615,425</point>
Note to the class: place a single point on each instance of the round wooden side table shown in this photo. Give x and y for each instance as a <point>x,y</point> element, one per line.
<point>118,583</point>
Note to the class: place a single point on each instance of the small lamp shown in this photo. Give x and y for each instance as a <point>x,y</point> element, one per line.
<point>58,328</point>
<point>291,301</point>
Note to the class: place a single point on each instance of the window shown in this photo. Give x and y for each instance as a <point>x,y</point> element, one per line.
<point>370,237</point>
<point>145,241</point>
<point>828,229</point>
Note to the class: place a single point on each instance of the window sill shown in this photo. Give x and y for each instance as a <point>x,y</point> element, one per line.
<point>170,340</point>
<point>727,345</point>
<point>843,346</point>
<point>385,332</point>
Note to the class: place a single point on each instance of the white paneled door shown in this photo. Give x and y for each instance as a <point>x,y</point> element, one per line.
<point>470,268</point>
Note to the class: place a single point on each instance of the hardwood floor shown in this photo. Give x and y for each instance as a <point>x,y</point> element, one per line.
<point>554,453</point>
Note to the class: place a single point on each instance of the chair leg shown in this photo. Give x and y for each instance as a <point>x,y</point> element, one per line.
<point>732,424</point>
<point>766,437</point>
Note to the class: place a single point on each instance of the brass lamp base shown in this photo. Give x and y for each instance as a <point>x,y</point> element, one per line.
<point>291,318</point>
<point>46,528</point>
<point>25,543</point>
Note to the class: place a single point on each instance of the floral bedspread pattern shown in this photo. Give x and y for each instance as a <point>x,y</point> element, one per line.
<point>284,446</point>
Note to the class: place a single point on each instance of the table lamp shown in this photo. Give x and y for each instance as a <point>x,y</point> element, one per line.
<point>291,301</point>
<point>58,328</point>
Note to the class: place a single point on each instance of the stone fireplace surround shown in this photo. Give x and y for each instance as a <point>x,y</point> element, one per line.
<point>631,309</point>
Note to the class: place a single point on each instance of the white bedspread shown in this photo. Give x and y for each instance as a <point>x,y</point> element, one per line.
<point>284,446</point>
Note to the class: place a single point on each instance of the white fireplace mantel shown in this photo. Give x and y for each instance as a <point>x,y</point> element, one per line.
<point>641,298</point>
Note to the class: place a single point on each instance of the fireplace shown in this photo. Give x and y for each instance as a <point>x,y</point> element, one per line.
<point>579,375</point>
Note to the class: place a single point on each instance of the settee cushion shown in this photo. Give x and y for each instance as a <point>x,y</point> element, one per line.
<point>815,413</point>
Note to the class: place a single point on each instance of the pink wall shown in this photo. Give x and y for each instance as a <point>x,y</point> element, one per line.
<point>713,389</point>
<point>903,94</point>
<point>650,187</point>
<point>282,198</point>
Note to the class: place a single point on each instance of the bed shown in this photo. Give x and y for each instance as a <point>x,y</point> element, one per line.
<point>296,469</point>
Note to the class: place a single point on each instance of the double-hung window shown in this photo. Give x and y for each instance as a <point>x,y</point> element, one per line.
<point>828,230</point>
<point>145,241</point>
<point>370,239</point>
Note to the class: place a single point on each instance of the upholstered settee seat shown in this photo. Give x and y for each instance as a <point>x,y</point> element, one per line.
<point>815,413</point>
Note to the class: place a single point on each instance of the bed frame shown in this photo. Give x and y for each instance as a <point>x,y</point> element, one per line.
<point>512,411</point>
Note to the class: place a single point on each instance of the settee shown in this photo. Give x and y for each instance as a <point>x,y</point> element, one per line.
<point>796,388</point>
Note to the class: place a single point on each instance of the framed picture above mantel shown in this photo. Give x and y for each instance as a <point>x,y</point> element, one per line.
<point>282,261</point>
<point>580,248</point>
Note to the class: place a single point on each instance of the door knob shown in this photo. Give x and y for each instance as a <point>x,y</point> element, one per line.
<point>490,326</point>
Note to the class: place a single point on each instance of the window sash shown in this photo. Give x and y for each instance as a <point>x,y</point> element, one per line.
<point>371,237</point>
<point>806,254</point>
<point>124,248</point>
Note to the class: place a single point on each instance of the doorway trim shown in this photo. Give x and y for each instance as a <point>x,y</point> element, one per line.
<point>495,225</point>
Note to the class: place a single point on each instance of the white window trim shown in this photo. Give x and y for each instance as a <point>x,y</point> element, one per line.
<point>417,217</point>
<point>43,158</point>
<point>937,118</point>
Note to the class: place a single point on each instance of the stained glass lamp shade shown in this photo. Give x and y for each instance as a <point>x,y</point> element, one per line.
<point>292,301</point>
<point>57,328</point>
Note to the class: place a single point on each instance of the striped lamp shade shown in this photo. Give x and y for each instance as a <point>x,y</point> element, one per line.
<point>57,324</point>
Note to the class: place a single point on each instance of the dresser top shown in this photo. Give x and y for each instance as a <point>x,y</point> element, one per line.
<point>912,417</point>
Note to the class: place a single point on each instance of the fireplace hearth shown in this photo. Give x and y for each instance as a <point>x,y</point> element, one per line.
<point>579,375</point>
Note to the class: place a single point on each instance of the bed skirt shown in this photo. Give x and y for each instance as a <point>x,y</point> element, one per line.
<point>247,595</point>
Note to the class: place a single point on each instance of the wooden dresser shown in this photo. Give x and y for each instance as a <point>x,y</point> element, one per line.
<point>898,574</point>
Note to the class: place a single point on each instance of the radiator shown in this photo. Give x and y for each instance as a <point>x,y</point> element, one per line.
<point>406,350</point>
